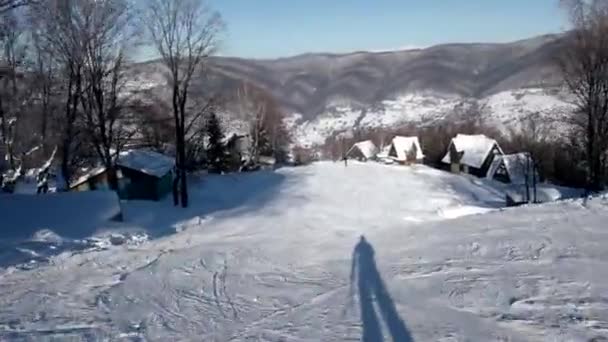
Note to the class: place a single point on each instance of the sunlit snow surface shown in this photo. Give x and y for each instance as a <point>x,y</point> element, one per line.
<point>267,257</point>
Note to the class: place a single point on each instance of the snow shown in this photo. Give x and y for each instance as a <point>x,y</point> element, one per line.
<point>403,145</point>
<point>367,148</point>
<point>267,257</point>
<point>149,162</point>
<point>509,107</point>
<point>24,215</point>
<point>476,149</point>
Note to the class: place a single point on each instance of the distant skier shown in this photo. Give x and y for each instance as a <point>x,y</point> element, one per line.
<point>345,161</point>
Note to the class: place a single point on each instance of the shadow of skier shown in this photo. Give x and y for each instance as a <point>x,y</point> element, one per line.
<point>371,287</point>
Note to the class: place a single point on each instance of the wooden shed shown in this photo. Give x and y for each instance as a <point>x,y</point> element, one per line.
<point>142,174</point>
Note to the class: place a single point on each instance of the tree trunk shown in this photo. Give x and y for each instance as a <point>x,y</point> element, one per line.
<point>182,157</point>
<point>112,178</point>
<point>526,175</point>
<point>175,187</point>
<point>65,167</point>
<point>44,124</point>
<point>178,162</point>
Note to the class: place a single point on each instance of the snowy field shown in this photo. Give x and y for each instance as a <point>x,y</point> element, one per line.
<point>267,257</point>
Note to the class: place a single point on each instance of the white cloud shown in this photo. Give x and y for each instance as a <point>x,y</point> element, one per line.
<point>400,48</point>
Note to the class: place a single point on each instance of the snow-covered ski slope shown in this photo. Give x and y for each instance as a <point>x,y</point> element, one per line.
<point>267,257</point>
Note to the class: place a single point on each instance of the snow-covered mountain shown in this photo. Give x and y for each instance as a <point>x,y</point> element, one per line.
<point>504,110</point>
<point>324,93</point>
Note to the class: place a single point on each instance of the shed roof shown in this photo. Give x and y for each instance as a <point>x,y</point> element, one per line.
<point>146,161</point>
<point>403,145</point>
<point>88,175</point>
<point>475,149</point>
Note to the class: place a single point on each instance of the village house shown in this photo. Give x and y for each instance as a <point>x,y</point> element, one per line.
<point>472,154</point>
<point>238,147</point>
<point>406,150</point>
<point>518,169</point>
<point>142,174</point>
<point>363,151</point>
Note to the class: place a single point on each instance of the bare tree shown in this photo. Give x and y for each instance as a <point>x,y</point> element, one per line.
<point>60,24</point>
<point>14,96</point>
<point>584,66</point>
<point>103,102</point>
<point>267,131</point>
<point>83,41</point>
<point>44,87</point>
<point>184,33</point>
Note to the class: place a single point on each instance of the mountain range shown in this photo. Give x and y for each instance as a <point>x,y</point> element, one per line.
<point>323,93</point>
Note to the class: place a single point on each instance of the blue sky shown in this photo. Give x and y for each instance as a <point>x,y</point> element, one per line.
<point>277,28</point>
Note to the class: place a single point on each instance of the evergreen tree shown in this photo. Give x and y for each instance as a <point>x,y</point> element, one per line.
<point>216,151</point>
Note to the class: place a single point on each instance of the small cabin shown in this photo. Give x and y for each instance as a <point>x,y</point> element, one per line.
<point>406,150</point>
<point>363,151</point>
<point>471,154</point>
<point>518,169</point>
<point>142,174</point>
<point>238,146</point>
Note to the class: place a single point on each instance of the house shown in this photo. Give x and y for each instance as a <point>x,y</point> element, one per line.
<point>145,174</point>
<point>406,150</point>
<point>363,151</point>
<point>516,169</point>
<point>472,154</point>
<point>142,174</point>
<point>238,147</point>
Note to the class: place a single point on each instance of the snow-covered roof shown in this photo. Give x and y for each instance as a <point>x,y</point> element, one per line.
<point>517,165</point>
<point>87,175</point>
<point>367,148</point>
<point>403,145</point>
<point>475,148</point>
<point>146,161</point>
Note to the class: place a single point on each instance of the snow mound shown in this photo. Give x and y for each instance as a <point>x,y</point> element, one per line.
<point>71,214</point>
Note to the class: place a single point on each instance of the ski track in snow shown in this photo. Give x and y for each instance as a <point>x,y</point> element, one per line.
<point>267,257</point>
